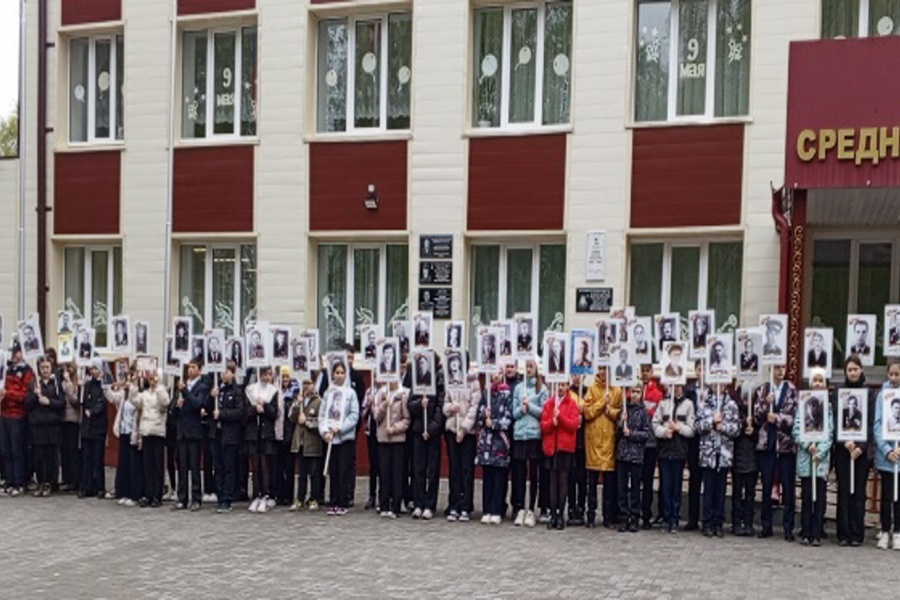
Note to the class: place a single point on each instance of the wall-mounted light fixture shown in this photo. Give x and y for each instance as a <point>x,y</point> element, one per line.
<point>371,200</point>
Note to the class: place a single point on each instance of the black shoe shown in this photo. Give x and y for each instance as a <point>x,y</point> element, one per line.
<point>623,527</point>
<point>789,537</point>
<point>805,541</point>
<point>143,503</point>
<point>735,530</point>
<point>691,526</point>
<point>719,531</point>
<point>843,543</point>
<point>155,504</point>
<point>551,524</point>
<point>81,495</point>
<point>577,521</point>
<point>855,543</point>
<point>633,526</point>
<point>370,504</point>
<point>101,495</point>
<point>646,525</point>
<point>707,532</point>
<point>765,533</point>
<point>591,522</point>
<point>195,506</point>
<point>658,520</point>
<point>560,522</point>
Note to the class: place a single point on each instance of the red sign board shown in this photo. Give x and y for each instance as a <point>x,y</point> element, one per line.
<point>843,120</point>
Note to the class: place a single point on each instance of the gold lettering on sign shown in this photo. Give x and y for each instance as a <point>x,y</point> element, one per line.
<point>872,144</point>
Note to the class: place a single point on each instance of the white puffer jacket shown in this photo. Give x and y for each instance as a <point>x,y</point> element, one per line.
<point>154,406</point>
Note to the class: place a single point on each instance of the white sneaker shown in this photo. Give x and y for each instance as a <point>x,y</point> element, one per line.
<point>529,519</point>
<point>270,503</point>
<point>388,514</point>
<point>453,516</point>
<point>213,498</point>
<point>417,514</point>
<point>263,506</point>
<point>520,518</point>
<point>895,541</point>
<point>129,502</point>
<point>544,518</point>
<point>254,505</point>
<point>496,519</point>
<point>486,519</point>
<point>883,540</point>
<point>464,517</point>
<point>121,501</point>
<point>427,514</point>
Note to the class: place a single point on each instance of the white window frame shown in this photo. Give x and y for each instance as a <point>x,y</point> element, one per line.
<point>863,21</point>
<point>91,95</point>
<point>87,275</point>
<point>208,316</point>
<point>503,274</point>
<point>210,124</point>
<point>709,112</point>
<point>350,105</point>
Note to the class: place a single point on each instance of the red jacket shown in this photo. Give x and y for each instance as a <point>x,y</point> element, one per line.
<point>18,385</point>
<point>653,395</point>
<point>560,437</point>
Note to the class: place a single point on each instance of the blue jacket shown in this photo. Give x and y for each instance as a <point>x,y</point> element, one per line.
<point>882,447</point>
<point>804,458</point>
<point>528,423</point>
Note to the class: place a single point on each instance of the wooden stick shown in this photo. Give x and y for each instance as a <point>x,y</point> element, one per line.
<point>772,388</point>
<point>327,460</point>
<point>853,475</point>
<point>896,472</point>
<point>814,463</point>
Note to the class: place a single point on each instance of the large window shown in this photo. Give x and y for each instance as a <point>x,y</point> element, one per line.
<point>218,83</point>
<point>364,68</point>
<point>508,279</point>
<point>218,286</point>
<point>692,59</point>
<point>522,74</point>
<point>93,286</point>
<point>96,89</point>
<point>680,277</point>
<point>360,285</point>
<point>860,18</point>
<point>851,276</point>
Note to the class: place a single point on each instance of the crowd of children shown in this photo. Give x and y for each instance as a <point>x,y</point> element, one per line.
<point>274,441</point>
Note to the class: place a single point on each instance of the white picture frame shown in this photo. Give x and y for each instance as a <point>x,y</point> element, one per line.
<point>145,362</point>
<point>891,334</point>
<point>582,353</point>
<point>487,354</point>
<point>666,328</point>
<point>300,358</point>
<point>818,349</point>
<point>747,346</point>
<point>454,334</point>
<point>701,324</point>
<point>29,334</point>
<point>400,329</point>
<point>890,425</point>
<point>182,332</point>
<point>774,330</point>
<point>256,338</point>
<point>369,335</point>
<point>719,361</point>
<point>236,351</point>
<point>280,345</point>
<point>119,336</point>
<point>424,372</point>
<point>508,339</point>
<point>607,333</point>
<point>852,415</point>
<point>672,364</point>
<point>141,338</point>
<point>812,411</point>
<point>315,356</point>
<point>215,348</point>
<point>84,346</point>
<point>455,372</point>
<point>198,351</point>
<point>172,364</point>
<point>624,367</point>
<point>64,319</point>
<point>387,360</point>
<point>526,340</point>
<point>640,333</point>
<point>860,338</point>
<point>422,322</point>
<point>65,348</point>
<point>554,361</point>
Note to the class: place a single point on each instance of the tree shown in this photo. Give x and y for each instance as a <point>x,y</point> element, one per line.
<point>9,134</point>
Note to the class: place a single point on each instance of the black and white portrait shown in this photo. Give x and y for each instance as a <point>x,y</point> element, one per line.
<point>853,415</point>
<point>184,330</point>
<point>719,362</point>
<point>401,330</point>
<point>30,338</point>
<point>487,355</point>
<point>198,350</point>
<point>423,372</point>
<point>312,336</point>
<point>368,340</point>
<point>555,355</point>
<point>85,346</point>
<point>507,340</point>
<point>774,332</point>
<point>583,342</point>
<point>387,357</point>
<point>281,346</point>
<point>813,416</point>
<point>624,368</point>
<point>667,330</point>
<point>817,349</point>
<point>121,338</point>
<point>215,351</point>
<point>640,333</point>
<point>747,344</point>
<point>422,328</point>
<point>672,363</point>
<point>171,361</point>
<point>701,323</point>
<point>235,351</point>
<point>607,334</point>
<point>890,415</point>
<point>256,347</point>
<point>65,351</point>
<point>453,334</point>
<point>861,338</point>
<point>300,357</point>
<point>141,337</point>
<point>64,320</point>
<point>525,346</point>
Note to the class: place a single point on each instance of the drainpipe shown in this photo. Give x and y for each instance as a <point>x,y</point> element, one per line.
<point>23,160</point>
<point>167,283</point>
<point>42,132</point>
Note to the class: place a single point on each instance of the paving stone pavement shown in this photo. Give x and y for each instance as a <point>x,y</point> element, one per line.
<point>62,547</point>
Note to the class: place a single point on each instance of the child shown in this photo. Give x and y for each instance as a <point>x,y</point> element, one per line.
<point>492,453</point>
<point>560,420</point>
<point>602,407</point>
<point>673,426</point>
<point>851,506</point>
<point>460,409</point>
<point>635,430</point>
<point>813,462</point>
<point>528,403</point>
<point>426,424</point>
<point>45,406</point>
<point>337,426</point>
<point>93,432</point>
<point>259,437</point>
<point>745,473</point>
<point>229,417</point>
<point>152,401</point>
<point>391,414</point>
<point>718,423</point>
<point>887,456</point>
<point>307,445</point>
<point>578,477</point>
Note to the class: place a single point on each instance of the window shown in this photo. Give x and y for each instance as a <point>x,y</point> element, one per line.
<point>693,59</point>
<point>364,73</point>
<point>96,89</point>
<point>93,286</point>
<point>360,285</point>
<point>218,286</point>
<point>852,276</point>
<point>511,279</point>
<point>680,277</point>
<point>860,18</point>
<point>522,74</point>
<point>218,78</point>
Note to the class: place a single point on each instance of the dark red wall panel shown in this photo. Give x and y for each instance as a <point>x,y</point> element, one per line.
<point>687,176</point>
<point>197,7</point>
<point>213,190</point>
<point>77,12</point>
<point>340,174</point>
<point>86,192</point>
<point>517,182</point>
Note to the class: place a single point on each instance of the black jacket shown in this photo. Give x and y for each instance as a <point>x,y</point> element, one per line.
<point>94,402</point>
<point>188,421</point>
<point>40,415</point>
<point>745,445</point>
<point>261,426</point>
<point>435,423</point>
<point>289,396</point>
<point>232,413</point>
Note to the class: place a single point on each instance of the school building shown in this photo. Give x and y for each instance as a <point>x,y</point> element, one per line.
<point>337,163</point>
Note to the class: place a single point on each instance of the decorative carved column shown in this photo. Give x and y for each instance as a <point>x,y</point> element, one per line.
<point>795,286</point>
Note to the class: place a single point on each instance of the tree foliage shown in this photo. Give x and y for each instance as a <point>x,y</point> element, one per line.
<point>9,134</point>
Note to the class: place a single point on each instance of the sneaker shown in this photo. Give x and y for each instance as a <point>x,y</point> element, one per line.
<point>195,506</point>
<point>15,492</point>
<point>129,502</point>
<point>544,518</point>
<point>485,519</point>
<point>120,501</point>
<point>109,495</point>
<point>520,518</point>
<point>298,505</point>
<point>529,519</point>
<point>884,539</point>
<point>340,511</point>
<point>213,498</point>
<point>452,516</point>
<point>263,506</point>
<point>313,506</point>
<point>254,505</point>
<point>417,513</point>
<point>270,503</point>
<point>895,541</point>
<point>464,517</point>
<point>178,506</point>
<point>224,508</point>
<point>496,519</point>
<point>332,511</point>
<point>427,514</point>
<point>388,514</point>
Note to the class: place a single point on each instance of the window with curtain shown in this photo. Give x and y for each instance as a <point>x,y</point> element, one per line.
<point>372,93</point>
<point>508,279</point>
<point>96,87</point>
<point>375,278</point>
<point>217,286</point>
<point>860,18</point>
<point>218,79</point>
<point>93,286</point>
<point>692,59</point>
<point>522,64</point>
<point>831,287</point>
<point>682,276</point>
